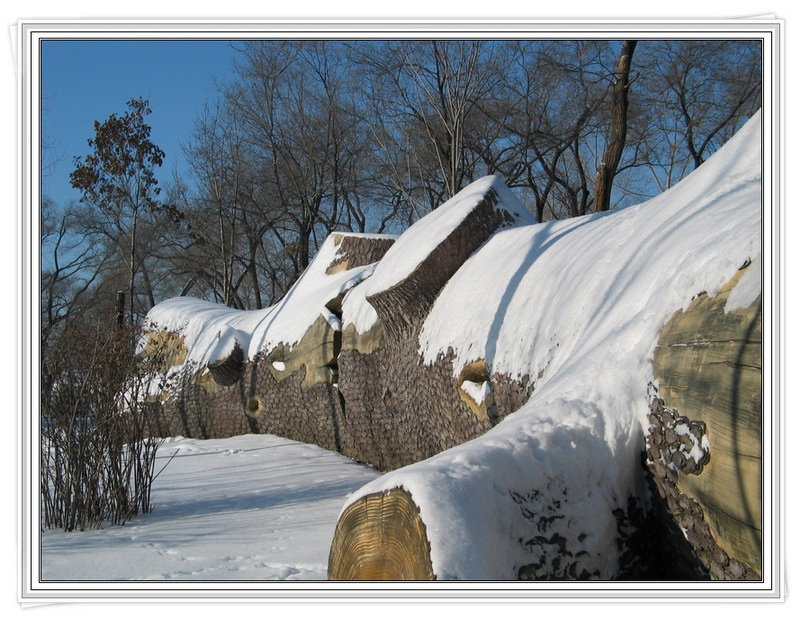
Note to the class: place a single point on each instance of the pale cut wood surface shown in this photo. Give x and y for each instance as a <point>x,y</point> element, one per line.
<point>381,537</point>
<point>708,367</point>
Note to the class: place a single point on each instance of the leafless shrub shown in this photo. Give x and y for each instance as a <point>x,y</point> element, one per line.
<point>97,429</point>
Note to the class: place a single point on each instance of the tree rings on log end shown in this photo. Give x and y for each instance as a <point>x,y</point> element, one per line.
<point>381,537</point>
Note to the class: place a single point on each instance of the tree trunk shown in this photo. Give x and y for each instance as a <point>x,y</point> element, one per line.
<point>132,258</point>
<point>120,309</point>
<point>619,128</point>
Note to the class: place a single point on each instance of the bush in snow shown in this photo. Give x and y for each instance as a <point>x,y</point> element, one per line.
<point>97,453</point>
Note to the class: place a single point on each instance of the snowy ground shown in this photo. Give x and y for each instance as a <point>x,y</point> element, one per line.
<point>254,507</point>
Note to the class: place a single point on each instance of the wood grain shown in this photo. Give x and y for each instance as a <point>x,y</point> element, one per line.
<point>381,537</point>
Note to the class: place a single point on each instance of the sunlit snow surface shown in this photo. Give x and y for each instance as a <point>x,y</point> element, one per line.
<point>254,507</point>
<point>577,305</point>
<point>422,238</point>
<point>211,330</point>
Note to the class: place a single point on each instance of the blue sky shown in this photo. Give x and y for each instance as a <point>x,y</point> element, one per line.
<point>85,80</point>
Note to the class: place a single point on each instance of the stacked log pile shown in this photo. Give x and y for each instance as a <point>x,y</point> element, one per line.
<point>290,390</point>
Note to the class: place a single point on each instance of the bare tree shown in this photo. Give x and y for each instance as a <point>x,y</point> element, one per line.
<point>557,90</point>
<point>696,95</point>
<point>281,163</point>
<point>619,128</point>
<point>70,269</point>
<point>288,126</point>
<point>428,99</point>
<point>315,136</point>
<point>226,222</point>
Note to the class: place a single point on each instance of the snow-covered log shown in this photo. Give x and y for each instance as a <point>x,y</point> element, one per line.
<point>507,375</point>
<point>579,309</point>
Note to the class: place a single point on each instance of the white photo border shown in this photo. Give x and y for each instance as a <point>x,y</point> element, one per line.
<point>31,33</point>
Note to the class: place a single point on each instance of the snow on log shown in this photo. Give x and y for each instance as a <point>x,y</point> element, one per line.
<point>555,490</point>
<point>425,257</point>
<point>502,372</point>
<point>211,331</point>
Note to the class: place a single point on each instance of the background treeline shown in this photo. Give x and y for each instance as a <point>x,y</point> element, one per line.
<point>315,136</point>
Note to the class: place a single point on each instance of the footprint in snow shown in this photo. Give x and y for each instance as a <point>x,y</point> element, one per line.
<point>287,571</point>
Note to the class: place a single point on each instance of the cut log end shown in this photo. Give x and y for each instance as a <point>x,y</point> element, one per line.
<point>381,537</point>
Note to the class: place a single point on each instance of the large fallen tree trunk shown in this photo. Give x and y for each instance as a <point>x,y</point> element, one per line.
<point>704,459</point>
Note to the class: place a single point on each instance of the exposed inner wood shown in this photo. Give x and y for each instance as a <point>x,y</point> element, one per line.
<point>478,373</point>
<point>381,537</point>
<point>708,366</point>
